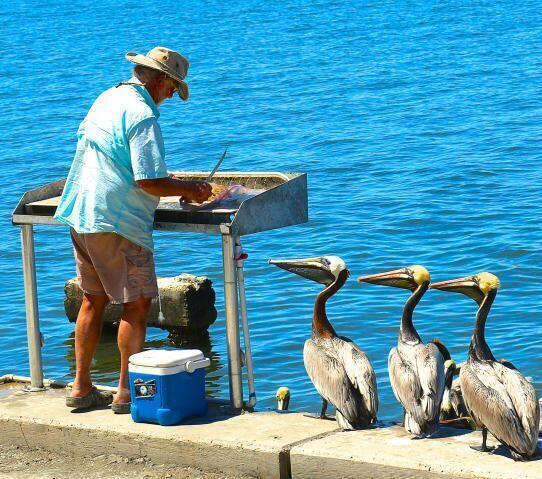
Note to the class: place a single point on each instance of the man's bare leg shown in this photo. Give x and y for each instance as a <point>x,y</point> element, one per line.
<point>131,337</point>
<point>88,329</point>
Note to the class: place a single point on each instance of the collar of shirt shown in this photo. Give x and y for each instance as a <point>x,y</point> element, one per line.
<point>146,95</point>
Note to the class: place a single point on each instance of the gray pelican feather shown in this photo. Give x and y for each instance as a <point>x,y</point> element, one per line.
<point>457,403</point>
<point>340,371</point>
<point>416,370</point>
<point>344,377</point>
<point>499,398</point>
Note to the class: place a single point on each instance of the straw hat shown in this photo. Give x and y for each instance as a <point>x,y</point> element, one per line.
<point>165,60</point>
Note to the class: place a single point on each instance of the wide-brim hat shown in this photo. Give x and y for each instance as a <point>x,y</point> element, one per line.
<point>172,63</point>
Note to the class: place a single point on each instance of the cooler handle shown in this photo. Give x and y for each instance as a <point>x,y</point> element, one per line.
<point>191,366</point>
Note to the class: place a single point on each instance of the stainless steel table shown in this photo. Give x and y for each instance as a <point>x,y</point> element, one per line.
<point>276,200</point>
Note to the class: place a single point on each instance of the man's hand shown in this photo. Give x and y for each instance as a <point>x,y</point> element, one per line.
<point>198,191</point>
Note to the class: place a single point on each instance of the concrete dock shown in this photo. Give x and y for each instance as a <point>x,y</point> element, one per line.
<point>262,444</point>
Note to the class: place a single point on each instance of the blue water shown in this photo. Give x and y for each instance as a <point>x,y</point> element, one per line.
<point>418,124</point>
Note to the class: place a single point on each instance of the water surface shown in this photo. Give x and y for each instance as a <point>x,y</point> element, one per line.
<point>418,125</point>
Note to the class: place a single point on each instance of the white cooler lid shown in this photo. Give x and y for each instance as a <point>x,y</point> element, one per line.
<point>165,358</point>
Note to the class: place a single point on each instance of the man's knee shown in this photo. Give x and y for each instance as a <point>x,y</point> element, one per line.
<point>136,310</point>
<point>95,302</point>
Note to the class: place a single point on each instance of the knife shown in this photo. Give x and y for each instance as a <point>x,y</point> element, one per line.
<point>215,169</point>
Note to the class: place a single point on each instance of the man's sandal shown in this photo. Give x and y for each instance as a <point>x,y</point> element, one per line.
<point>120,407</point>
<point>94,398</point>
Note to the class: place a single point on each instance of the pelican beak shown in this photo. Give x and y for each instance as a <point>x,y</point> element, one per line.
<point>315,269</point>
<point>454,284</point>
<point>467,286</point>
<point>398,278</point>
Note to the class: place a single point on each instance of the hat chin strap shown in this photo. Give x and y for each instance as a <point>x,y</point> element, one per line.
<point>130,83</point>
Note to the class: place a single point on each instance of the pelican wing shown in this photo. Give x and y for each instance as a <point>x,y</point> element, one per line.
<point>405,384</point>
<point>329,377</point>
<point>430,367</point>
<point>361,374</point>
<point>488,389</point>
<point>523,397</point>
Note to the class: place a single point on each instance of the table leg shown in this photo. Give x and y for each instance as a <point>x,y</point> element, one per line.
<point>232,321</point>
<point>240,257</point>
<point>31,302</point>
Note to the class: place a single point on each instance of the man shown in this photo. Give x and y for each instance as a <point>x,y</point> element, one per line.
<point>112,190</point>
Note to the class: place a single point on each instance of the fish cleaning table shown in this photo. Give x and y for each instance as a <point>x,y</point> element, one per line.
<point>272,200</point>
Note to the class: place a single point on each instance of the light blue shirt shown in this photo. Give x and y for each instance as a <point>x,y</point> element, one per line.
<point>119,142</point>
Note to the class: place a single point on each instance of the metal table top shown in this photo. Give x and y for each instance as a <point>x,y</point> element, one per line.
<point>277,200</point>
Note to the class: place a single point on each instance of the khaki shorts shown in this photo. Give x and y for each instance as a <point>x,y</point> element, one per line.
<point>109,264</point>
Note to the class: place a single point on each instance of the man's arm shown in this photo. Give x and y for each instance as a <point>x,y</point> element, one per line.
<point>197,191</point>
<point>150,174</point>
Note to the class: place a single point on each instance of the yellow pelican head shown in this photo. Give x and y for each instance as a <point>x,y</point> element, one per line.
<point>283,398</point>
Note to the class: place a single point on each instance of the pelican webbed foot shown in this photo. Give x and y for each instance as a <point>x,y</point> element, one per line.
<point>484,447</point>
<point>322,414</point>
<point>323,411</point>
<point>319,416</point>
<point>516,456</point>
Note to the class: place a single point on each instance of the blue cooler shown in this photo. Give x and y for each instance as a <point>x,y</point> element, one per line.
<point>167,386</point>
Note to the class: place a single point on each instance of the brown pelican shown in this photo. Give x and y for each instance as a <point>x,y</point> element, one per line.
<point>496,394</point>
<point>338,368</point>
<point>446,407</point>
<point>416,370</point>
<point>283,398</point>
<point>452,409</point>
